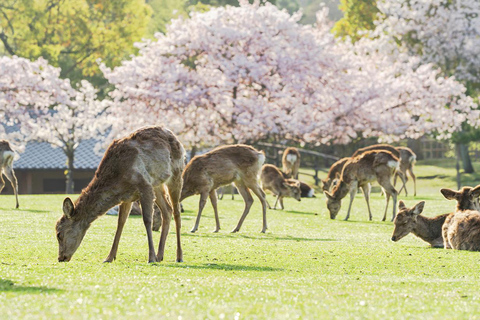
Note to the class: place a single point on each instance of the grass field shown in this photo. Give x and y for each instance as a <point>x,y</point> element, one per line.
<point>306,265</point>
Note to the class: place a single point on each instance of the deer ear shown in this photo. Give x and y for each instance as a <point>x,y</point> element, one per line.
<point>418,208</point>
<point>68,207</point>
<point>449,194</point>
<point>401,205</point>
<point>475,192</point>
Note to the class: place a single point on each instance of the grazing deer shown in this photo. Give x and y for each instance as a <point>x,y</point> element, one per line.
<point>6,167</point>
<point>461,231</point>
<point>273,180</point>
<point>334,174</point>
<point>136,167</point>
<point>239,164</point>
<point>410,220</point>
<point>359,172</point>
<point>291,162</point>
<point>407,159</point>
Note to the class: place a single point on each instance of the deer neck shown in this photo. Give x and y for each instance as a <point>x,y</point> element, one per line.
<point>429,229</point>
<point>341,190</point>
<point>92,204</point>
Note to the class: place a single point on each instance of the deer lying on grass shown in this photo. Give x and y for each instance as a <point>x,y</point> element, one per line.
<point>239,164</point>
<point>291,162</point>
<point>461,231</point>
<point>407,159</point>
<point>6,167</point>
<point>273,180</point>
<point>359,172</point>
<point>410,220</point>
<point>133,168</point>
<point>334,174</point>
<point>306,191</point>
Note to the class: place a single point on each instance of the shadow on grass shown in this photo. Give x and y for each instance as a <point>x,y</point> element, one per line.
<point>223,267</point>
<point>265,237</point>
<point>9,286</point>
<point>27,210</point>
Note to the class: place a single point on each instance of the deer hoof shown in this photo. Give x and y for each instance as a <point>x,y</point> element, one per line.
<point>216,230</point>
<point>235,230</point>
<point>179,260</point>
<point>193,230</point>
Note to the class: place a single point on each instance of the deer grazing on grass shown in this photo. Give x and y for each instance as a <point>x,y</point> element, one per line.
<point>359,172</point>
<point>410,220</point>
<point>291,162</point>
<point>221,166</point>
<point>334,174</point>
<point>136,167</point>
<point>461,230</point>
<point>407,159</point>
<point>273,180</point>
<point>6,167</point>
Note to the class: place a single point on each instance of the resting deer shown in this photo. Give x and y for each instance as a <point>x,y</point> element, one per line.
<point>6,167</point>
<point>291,162</point>
<point>359,172</point>
<point>136,167</point>
<point>410,220</point>
<point>273,180</point>
<point>461,231</point>
<point>334,174</point>
<point>239,164</point>
<point>407,159</point>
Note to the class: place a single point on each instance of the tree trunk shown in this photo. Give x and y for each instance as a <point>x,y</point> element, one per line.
<point>457,166</point>
<point>467,163</point>
<point>193,152</point>
<point>69,173</point>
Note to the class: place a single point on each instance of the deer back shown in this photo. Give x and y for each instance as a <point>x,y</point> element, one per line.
<point>379,147</point>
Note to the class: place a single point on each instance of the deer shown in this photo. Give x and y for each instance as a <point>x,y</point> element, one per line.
<point>221,166</point>
<point>334,174</point>
<point>306,191</point>
<point>136,167</point>
<point>6,167</point>
<point>426,228</point>
<point>407,159</point>
<point>359,172</point>
<point>461,230</point>
<point>273,180</point>
<point>291,162</point>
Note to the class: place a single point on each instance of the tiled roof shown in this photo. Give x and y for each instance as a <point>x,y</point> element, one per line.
<point>41,155</point>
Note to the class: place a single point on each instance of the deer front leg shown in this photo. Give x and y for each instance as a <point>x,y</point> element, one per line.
<point>353,192</point>
<point>213,199</point>
<point>414,181</point>
<point>201,205</point>
<point>166,217</point>
<point>13,181</point>
<point>247,197</point>
<point>276,201</point>
<point>281,203</point>
<point>366,188</point>
<point>146,202</point>
<point>123,213</point>
<point>174,189</point>
<point>261,196</point>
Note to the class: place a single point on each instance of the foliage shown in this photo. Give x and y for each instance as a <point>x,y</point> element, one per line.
<point>162,12</point>
<point>73,34</point>
<point>306,266</point>
<point>358,16</point>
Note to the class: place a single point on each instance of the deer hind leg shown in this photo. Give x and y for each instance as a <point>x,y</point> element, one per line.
<point>366,188</point>
<point>220,193</point>
<point>255,187</point>
<point>2,182</point>
<point>410,171</point>
<point>13,181</point>
<point>146,201</point>
<point>174,189</point>
<point>247,197</point>
<point>166,213</point>
<point>384,182</point>
<point>276,201</point>
<point>123,213</point>
<point>213,199</point>
<point>353,192</point>
<point>201,205</point>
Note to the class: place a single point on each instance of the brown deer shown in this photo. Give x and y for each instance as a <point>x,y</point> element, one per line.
<point>461,231</point>
<point>407,159</point>
<point>136,167</point>
<point>6,167</point>
<point>291,162</point>
<point>334,174</point>
<point>410,220</point>
<point>239,164</point>
<point>359,172</point>
<point>273,180</point>
<point>306,191</point>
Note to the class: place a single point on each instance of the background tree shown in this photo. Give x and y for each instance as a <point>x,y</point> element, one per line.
<point>73,34</point>
<point>358,16</point>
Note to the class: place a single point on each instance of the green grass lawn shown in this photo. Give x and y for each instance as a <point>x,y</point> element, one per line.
<point>305,266</point>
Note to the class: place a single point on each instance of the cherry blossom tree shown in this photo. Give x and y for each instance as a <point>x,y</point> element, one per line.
<point>236,74</point>
<point>35,104</point>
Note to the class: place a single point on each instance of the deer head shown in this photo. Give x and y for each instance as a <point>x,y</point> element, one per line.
<point>293,189</point>
<point>406,219</point>
<point>467,197</point>
<point>70,232</point>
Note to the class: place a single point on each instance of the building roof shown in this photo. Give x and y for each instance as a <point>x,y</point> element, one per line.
<point>41,155</point>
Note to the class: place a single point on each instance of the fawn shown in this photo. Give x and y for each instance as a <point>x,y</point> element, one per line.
<point>273,180</point>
